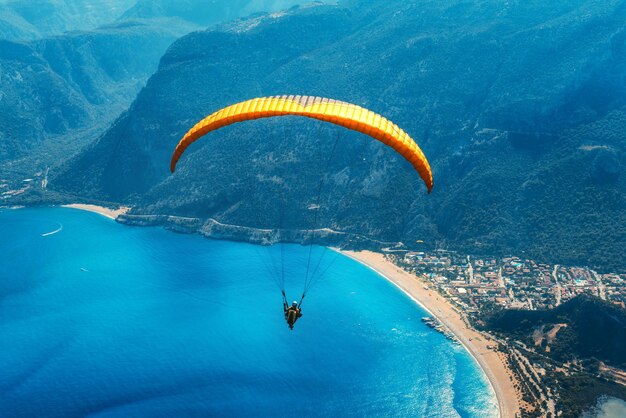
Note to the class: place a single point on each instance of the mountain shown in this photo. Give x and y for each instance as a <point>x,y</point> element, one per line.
<point>519,107</point>
<point>27,20</point>
<point>60,92</point>
<point>64,88</point>
<point>204,12</point>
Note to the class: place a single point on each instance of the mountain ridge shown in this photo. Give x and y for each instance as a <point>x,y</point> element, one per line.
<point>500,100</point>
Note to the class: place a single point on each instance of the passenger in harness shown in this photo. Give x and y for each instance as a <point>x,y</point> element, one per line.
<point>292,313</point>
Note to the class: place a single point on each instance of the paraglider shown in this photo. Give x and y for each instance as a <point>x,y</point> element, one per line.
<point>340,113</point>
<point>292,313</point>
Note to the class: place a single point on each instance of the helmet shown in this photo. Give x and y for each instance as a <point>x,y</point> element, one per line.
<point>294,303</point>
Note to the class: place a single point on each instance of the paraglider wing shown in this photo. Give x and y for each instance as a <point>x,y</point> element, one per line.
<point>339,113</point>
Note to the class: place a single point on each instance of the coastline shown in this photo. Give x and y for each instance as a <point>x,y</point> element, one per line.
<point>104,211</point>
<point>479,345</point>
<point>492,364</point>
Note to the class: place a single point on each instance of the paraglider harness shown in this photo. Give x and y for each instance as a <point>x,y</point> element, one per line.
<point>292,313</point>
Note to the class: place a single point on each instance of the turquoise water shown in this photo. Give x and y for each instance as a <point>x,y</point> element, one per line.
<point>105,320</point>
<point>607,407</point>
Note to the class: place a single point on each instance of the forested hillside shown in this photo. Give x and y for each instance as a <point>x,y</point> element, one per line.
<point>587,328</point>
<point>520,109</point>
<point>573,344</point>
<point>58,94</point>
<point>75,67</point>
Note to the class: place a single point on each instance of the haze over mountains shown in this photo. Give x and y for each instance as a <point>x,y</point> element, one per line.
<point>521,109</point>
<point>24,20</point>
<point>34,19</point>
<point>54,86</point>
<point>203,12</point>
<point>77,65</point>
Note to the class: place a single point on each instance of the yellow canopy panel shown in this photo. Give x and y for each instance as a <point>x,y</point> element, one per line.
<point>339,113</point>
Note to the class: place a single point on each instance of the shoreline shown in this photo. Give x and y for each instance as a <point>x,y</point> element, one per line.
<point>104,211</point>
<point>474,342</point>
<point>478,345</point>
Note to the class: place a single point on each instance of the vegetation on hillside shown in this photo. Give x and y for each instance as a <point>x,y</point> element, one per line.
<point>571,343</point>
<point>519,109</point>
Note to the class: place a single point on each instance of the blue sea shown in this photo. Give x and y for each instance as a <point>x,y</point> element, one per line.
<point>104,320</point>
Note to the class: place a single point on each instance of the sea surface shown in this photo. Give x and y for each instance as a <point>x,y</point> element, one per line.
<point>104,320</point>
<point>607,407</point>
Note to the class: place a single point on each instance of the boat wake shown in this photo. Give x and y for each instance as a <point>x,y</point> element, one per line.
<point>59,229</point>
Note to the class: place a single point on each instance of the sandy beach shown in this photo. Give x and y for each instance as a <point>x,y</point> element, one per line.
<point>476,343</point>
<point>108,212</point>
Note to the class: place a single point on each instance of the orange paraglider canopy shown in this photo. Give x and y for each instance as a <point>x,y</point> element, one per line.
<point>339,113</point>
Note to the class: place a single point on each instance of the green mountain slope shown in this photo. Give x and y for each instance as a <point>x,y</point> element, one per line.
<point>519,108</point>
<point>572,344</point>
<point>57,86</point>
<point>590,328</point>
<point>61,92</point>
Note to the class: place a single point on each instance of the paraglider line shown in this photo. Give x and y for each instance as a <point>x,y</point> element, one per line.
<point>317,211</point>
